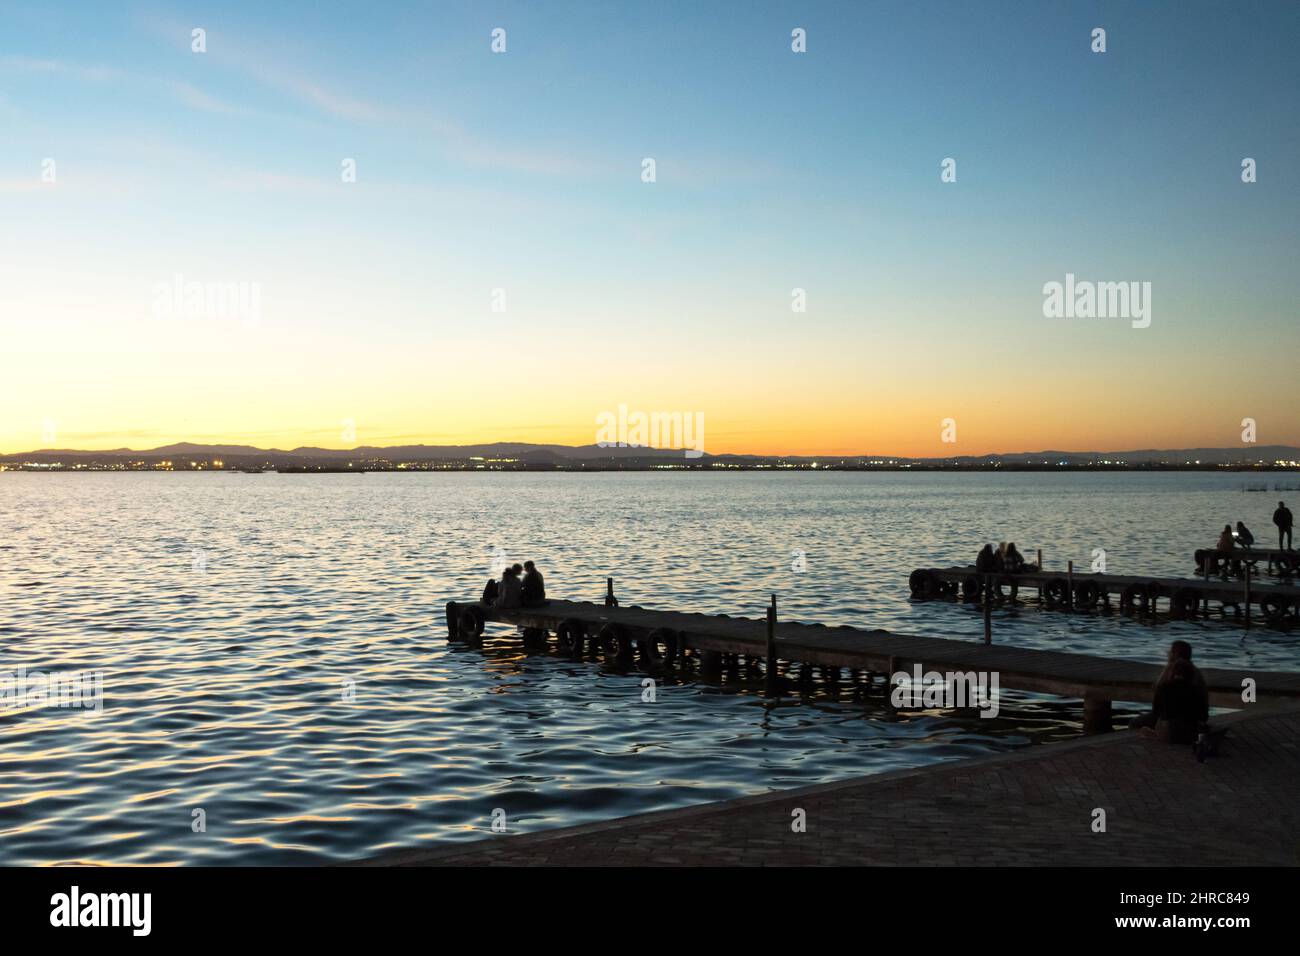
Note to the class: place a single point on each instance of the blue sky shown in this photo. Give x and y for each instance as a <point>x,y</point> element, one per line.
<point>775,170</point>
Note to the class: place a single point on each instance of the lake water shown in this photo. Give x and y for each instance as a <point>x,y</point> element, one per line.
<point>230,613</point>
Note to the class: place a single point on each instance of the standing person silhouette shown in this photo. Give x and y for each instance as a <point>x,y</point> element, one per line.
<point>1282,518</point>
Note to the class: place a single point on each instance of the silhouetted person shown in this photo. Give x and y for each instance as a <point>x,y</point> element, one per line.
<point>1226,542</point>
<point>1244,537</point>
<point>1282,518</point>
<point>1012,560</point>
<point>1164,704</point>
<point>534,589</point>
<point>1181,707</point>
<point>984,560</point>
<point>490,591</point>
<point>511,594</point>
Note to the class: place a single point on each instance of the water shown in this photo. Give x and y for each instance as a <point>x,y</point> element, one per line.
<point>226,671</point>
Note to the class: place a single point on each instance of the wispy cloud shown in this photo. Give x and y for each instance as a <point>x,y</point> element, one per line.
<point>185,93</point>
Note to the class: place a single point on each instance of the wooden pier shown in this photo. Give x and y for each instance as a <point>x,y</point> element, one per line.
<point>1284,564</point>
<point>631,636</point>
<point>1079,591</point>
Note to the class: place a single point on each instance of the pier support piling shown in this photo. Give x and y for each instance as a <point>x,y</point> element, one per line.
<point>1097,713</point>
<point>771,680</point>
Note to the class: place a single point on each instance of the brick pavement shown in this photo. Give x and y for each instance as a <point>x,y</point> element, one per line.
<point>1032,807</point>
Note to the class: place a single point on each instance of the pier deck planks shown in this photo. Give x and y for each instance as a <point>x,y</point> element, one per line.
<point>1039,671</point>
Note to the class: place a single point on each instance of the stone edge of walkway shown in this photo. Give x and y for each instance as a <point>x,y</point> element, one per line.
<point>430,856</point>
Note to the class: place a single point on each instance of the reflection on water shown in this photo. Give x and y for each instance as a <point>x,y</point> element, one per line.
<point>274,653</point>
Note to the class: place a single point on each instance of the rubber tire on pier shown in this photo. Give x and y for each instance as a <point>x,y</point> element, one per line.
<point>1184,603</point>
<point>453,610</point>
<point>1134,597</point>
<point>1056,591</point>
<point>970,588</point>
<point>1086,595</point>
<point>534,637</point>
<point>616,644</point>
<point>665,636</point>
<point>1285,564</point>
<point>469,623</point>
<point>569,636</point>
<point>924,584</point>
<point>1273,608</point>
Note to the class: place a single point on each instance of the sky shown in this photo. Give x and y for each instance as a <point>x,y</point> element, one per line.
<point>501,270</point>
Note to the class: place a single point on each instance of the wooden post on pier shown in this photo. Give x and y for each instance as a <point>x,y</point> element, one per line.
<point>1205,607</point>
<point>1069,585</point>
<point>1246,567</point>
<point>988,610</point>
<point>610,600</point>
<point>770,676</point>
<point>1040,567</point>
<point>1096,713</point>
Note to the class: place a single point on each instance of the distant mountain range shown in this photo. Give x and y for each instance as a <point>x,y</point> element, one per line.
<point>527,456</point>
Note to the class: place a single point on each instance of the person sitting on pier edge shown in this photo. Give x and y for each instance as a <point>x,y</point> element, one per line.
<point>511,594</point>
<point>1226,541</point>
<point>534,588</point>
<point>1174,705</point>
<point>1225,545</point>
<point>1013,561</point>
<point>490,591</point>
<point>985,560</point>
<point>1244,537</point>
<point>1282,518</point>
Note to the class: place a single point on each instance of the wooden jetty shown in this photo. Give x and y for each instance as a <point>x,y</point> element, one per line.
<point>1235,562</point>
<point>1083,591</point>
<point>634,635</point>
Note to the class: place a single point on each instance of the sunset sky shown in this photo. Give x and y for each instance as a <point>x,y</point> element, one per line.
<point>522,171</point>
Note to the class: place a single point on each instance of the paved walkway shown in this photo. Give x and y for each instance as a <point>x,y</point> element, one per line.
<point>1033,807</point>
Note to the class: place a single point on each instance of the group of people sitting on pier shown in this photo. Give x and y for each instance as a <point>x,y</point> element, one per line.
<point>1004,560</point>
<point>1180,707</point>
<point>521,585</point>
<point>1230,540</point>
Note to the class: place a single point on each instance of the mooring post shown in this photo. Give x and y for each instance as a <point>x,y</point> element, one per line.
<point>1069,585</point>
<point>1040,580</point>
<point>1205,605</point>
<point>770,676</point>
<point>988,611</point>
<point>1246,566</point>
<point>610,600</point>
<point>1096,713</point>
